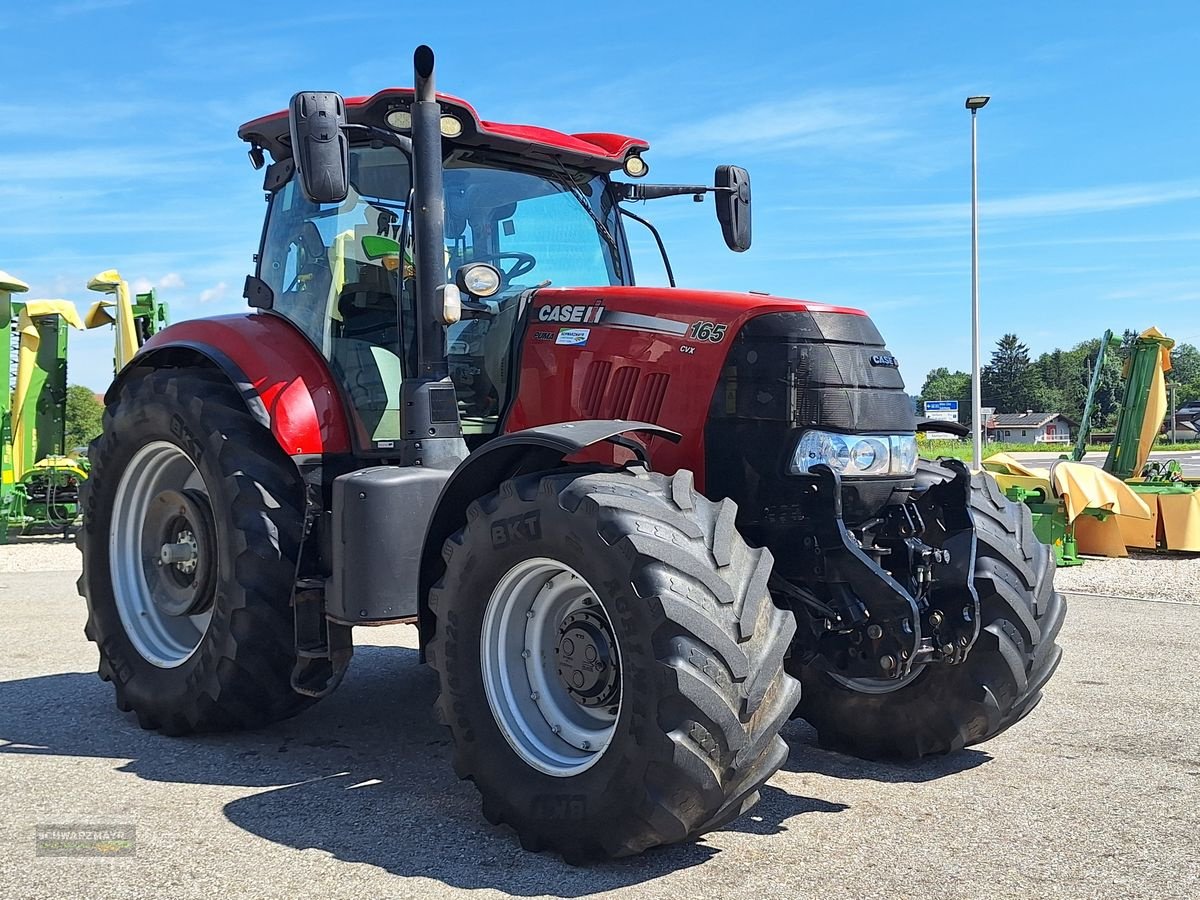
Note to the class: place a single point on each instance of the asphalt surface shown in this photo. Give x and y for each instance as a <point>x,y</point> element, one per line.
<point>1094,795</point>
<point>1189,460</point>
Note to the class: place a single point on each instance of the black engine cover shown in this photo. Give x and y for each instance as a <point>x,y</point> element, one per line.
<point>787,372</point>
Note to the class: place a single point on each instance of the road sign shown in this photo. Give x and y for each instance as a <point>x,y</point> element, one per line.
<point>941,411</point>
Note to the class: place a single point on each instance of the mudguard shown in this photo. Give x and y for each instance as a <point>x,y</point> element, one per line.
<point>530,450</point>
<point>284,381</point>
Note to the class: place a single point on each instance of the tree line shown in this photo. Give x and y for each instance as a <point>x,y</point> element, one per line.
<point>1056,381</point>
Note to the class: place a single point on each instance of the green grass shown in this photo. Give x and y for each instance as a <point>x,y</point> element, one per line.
<point>962,449</point>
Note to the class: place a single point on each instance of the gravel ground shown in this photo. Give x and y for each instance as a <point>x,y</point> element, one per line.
<point>37,553</point>
<point>1146,576</point>
<point>1093,795</point>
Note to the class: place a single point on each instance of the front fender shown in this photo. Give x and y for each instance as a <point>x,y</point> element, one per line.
<point>520,452</point>
<point>285,383</point>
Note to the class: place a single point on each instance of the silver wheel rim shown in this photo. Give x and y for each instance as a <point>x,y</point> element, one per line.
<point>551,667</point>
<point>139,566</point>
<point>878,685</point>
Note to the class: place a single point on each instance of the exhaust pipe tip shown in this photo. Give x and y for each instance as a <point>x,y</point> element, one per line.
<point>423,69</point>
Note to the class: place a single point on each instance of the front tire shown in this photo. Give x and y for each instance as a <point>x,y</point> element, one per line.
<point>664,717</point>
<point>189,541</point>
<point>946,708</point>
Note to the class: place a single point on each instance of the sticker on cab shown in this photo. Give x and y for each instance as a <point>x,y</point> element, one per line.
<point>573,337</point>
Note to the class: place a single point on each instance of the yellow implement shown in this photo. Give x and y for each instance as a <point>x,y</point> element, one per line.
<point>23,411</point>
<point>1076,508</point>
<point>118,311</point>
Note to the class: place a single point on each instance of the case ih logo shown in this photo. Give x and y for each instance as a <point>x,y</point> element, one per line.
<point>583,314</point>
<point>884,359</point>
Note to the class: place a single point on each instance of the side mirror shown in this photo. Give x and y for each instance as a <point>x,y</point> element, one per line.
<point>733,206</point>
<point>319,145</point>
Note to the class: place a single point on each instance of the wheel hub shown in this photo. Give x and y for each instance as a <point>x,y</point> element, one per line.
<point>178,537</point>
<point>586,659</point>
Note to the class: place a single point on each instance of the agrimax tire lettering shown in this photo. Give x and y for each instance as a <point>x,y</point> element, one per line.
<point>121,670</point>
<point>560,807</point>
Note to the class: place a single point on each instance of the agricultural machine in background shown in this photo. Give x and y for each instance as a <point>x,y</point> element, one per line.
<point>41,476</point>
<point>39,482</point>
<point>1131,501</point>
<point>637,528</point>
<point>135,318</point>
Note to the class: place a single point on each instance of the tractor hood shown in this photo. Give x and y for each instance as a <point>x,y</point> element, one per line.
<point>664,310</point>
<point>762,368</point>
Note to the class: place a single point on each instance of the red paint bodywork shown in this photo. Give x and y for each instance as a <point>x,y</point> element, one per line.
<point>601,150</point>
<point>649,377</point>
<point>291,378</point>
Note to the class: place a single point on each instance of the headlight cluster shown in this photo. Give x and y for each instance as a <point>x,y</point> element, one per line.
<point>856,454</point>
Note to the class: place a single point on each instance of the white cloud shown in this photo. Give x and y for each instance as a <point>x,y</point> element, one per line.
<point>1028,206</point>
<point>214,293</point>
<point>170,281</point>
<point>831,120</point>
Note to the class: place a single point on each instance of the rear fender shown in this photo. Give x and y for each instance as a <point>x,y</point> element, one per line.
<point>520,452</point>
<point>285,384</point>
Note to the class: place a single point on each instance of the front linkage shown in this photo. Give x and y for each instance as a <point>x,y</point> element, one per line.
<point>895,594</point>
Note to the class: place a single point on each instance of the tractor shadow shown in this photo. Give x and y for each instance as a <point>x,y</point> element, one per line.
<point>807,756</point>
<point>365,776</point>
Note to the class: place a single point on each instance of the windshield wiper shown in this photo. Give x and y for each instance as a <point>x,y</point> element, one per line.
<point>601,228</point>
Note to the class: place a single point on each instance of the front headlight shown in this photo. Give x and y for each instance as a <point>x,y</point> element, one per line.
<point>856,454</point>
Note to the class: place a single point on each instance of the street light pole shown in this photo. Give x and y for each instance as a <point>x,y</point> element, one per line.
<point>974,104</point>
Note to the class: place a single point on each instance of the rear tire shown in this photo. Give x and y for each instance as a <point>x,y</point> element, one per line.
<point>698,693</point>
<point>227,662</point>
<point>947,708</point>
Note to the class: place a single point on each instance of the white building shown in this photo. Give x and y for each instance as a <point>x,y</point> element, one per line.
<point>1030,428</point>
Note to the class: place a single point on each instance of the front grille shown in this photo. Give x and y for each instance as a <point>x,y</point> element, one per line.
<point>787,372</point>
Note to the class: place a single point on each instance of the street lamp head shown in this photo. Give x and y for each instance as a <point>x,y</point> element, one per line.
<point>974,103</point>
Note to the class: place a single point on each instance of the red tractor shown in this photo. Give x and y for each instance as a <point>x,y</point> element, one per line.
<point>637,528</point>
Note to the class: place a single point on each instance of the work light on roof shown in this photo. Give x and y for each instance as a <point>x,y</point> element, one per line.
<point>635,166</point>
<point>399,120</point>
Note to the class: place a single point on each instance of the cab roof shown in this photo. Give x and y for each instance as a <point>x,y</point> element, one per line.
<point>594,150</point>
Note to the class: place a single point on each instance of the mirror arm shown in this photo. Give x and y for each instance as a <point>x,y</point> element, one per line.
<point>399,141</point>
<point>629,191</point>
<point>662,248</point>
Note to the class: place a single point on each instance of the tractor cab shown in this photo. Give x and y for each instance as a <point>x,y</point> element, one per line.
<point>344,274</point>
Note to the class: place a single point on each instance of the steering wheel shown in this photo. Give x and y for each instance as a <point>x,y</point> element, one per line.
<point>525,263</point>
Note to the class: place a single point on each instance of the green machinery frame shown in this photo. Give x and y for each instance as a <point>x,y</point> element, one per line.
<point>45,492</point>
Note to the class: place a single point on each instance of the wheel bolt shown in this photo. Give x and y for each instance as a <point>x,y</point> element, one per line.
<point>555,728</point>
<point>935,618</point>
<point>534,695</point>
<point>874,632</point>
<point>525,654</point>
<point>887,663</point>
<point>586,745</point>
<point>964,640</point>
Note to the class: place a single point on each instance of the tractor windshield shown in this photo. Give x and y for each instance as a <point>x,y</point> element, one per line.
<point>535,226</point>
<point>339,273</point>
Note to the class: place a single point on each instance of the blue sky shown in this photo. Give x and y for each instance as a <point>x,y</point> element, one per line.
<point>119,148</point>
